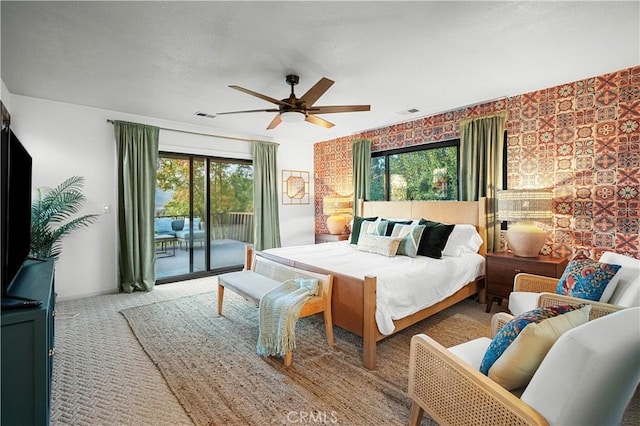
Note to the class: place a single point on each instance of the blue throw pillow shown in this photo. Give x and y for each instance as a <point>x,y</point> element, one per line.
<point>410,235</point>
<point>509,332</point>
<point>162,225</point>
<point>585,278</point>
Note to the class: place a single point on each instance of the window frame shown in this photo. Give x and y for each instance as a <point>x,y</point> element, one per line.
<point>414,148</point>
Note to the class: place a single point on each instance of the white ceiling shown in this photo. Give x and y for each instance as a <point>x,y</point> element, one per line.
<point>170,59</point>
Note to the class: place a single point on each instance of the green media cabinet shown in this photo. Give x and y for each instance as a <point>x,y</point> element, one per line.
<point>28,348</point>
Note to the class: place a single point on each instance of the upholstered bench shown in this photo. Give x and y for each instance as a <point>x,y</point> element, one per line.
<point>262,275</point>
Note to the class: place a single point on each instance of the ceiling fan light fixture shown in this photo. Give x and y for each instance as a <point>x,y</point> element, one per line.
<point>293,116</point>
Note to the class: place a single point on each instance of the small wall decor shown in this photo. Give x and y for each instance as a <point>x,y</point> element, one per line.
<point>295,187</point>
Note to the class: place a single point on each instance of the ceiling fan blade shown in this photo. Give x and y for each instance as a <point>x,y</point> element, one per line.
<point>316,91</point>
<point>274,123</point>
<point>261,96</point>
<point>319,121</point>
<point>249,110</point>
<point>338,108</point>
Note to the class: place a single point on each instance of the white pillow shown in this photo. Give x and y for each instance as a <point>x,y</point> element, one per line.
<point>463,239</point>
<point>624,287</point>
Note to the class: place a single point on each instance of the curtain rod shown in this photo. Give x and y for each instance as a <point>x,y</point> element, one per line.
<point>213,135</point>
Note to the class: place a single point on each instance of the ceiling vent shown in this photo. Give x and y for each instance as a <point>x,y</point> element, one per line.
<point>204,114</point>
<point>408,111</point>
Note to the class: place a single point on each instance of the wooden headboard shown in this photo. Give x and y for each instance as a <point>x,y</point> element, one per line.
<point>471,212</point>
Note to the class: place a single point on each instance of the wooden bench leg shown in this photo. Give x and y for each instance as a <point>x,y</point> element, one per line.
<point>287,358</point>
<point>328,324</point>
<point>220,296</point>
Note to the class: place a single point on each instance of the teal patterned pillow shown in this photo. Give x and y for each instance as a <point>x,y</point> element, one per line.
<point>410,235</point>
<point>509,332</point>
<point>376,227</point>
<point>585,278</point>
<point>393,223</point>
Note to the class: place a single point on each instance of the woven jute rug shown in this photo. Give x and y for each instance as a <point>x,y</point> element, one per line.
<point>210,364</point>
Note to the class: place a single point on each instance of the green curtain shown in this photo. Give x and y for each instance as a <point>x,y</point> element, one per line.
<point>137,147</point>
<point>481,167</point>
<point>361,151</point>
<point>265,196</point>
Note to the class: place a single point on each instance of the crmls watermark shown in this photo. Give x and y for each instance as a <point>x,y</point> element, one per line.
<point>309,417</point>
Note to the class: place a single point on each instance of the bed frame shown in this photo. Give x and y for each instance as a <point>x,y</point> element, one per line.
<point>354,300</point>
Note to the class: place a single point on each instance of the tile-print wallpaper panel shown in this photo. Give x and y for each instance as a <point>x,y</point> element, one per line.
<point>581,138</point>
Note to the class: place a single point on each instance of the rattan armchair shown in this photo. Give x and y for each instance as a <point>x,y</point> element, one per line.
<point>453,392</point>
<point>530,291</point>
<point>545,287</point>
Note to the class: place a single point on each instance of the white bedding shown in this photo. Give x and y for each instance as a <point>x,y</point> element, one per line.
<point>405,285</point>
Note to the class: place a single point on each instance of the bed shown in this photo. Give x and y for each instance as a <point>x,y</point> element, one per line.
<point>355,295</point>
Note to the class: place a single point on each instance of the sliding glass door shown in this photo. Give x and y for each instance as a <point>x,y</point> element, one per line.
<point>230,212</point>
<point>204,215</point>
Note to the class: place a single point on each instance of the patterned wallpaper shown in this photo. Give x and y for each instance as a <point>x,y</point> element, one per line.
<point>581,138</point>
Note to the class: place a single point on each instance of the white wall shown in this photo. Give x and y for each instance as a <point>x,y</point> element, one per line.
<point>66,140</point>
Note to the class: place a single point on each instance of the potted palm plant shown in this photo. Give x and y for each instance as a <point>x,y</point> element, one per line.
<point>51,216</point>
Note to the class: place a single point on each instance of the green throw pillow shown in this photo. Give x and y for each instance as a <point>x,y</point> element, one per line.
<point>434,238</point>
<point>355,228</point>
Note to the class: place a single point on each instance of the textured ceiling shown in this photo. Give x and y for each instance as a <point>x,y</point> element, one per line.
<point>170,59</point>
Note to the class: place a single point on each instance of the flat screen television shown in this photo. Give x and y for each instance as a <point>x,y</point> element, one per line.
<point>15,168</point>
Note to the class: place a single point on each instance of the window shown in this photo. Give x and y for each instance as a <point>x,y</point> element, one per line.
<point>204,215</point>
<point>425,172</point>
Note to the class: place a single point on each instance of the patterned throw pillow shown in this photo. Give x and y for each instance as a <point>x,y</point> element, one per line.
<point>585,278</point>
<point>376,227</point>
<point>355,228</point>
<point>393,223</point>
<point>378,244</point>
<point>410,235</point>
<point>518,363</point>
<point>434,238</point>
<point>508,334</point>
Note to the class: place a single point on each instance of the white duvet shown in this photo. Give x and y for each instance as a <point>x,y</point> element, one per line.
<point>405,285</point>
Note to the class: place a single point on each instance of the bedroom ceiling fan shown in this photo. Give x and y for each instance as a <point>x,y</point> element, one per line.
<point>293,109</point>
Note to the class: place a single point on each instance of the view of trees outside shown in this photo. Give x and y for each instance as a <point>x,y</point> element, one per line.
<point>231,187</point>
<point>430,174</point>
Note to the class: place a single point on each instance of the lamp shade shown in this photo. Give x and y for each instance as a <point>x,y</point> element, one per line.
<point>336,208</point>
<point>525,206</point>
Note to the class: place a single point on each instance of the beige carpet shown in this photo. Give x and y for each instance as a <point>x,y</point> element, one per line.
<point>210,364</point>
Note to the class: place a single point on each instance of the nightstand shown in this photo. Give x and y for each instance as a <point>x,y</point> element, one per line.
<point>501,269</point>
<point>325,238</point>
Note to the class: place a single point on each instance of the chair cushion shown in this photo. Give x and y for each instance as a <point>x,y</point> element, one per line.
<point>177,224</point>
<point>162,225</point>
<point>520,346</point>
<point>248,283</point>
<point>626,292</point>
<point>585,278</point>
<point>410,235</point>
<point>591,372</point>
<point>472,351</point>
<point>522,301</point>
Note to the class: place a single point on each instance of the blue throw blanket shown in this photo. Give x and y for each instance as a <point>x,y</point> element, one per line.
<point>279,311</point>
